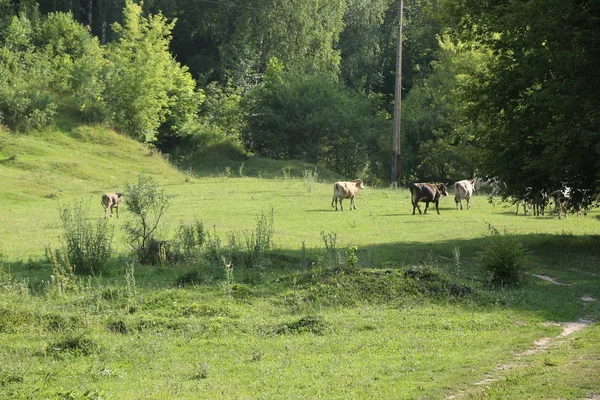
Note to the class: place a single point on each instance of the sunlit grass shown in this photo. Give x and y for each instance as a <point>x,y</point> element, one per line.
<point>377,337</point>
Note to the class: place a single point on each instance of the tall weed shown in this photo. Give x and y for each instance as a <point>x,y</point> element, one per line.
<point>310,179</point>
<point>87,245</point>
<point>503,259</point>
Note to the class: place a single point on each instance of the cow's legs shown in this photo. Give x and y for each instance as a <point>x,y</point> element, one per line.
<point>416,205</point>
<point>117,211</point>
<point>437,209</point>
<point>335,200</point>
<point>352,203</point>
<point>426,207</point>
<point>458,201</point>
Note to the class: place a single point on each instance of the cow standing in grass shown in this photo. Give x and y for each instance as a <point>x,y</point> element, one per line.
<point>464,190</point>
<point>427,193</point>
<point>346,190</point>
<point>110,201</point>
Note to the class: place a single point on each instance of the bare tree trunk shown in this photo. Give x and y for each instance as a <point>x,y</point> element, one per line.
<point>90,5</point>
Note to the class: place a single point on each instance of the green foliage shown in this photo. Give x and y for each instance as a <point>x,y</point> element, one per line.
<point>190,237</point>
<point>311,118</point>
<point>77,63</point>
<point>24,100</point>
<point>540,105</point>
<point>63,275</point>
<point>147,205</point>
<point>222,108</point>
<point>250,248</point>
<point>503,259</point>
<point>363,43</point>
<point>439,135</point>
<point>145,85</point>
<point>88,245</point>
<point>309,324</point>
<point>74,345</point>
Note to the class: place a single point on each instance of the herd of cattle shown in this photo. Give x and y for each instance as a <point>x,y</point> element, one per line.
<point>564,199</point>
<point>537,200</point>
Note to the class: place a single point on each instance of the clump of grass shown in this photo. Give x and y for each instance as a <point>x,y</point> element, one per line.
<point>190,278</point>
<point>503,259</point>
<point>117,326</point>
<point>13,321</point>
<point>309,324</point>
<point>200,371</point>
<point>76,345</point>
<point>60,323</point>
<point>8,377</point>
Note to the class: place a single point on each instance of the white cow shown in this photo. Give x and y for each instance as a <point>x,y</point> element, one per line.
<point>464,190</point>
<point>346,190</point>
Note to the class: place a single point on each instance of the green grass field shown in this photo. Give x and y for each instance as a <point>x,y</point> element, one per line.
<point>297,326</point>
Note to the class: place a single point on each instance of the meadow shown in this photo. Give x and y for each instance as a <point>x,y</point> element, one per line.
<point>371,303</point>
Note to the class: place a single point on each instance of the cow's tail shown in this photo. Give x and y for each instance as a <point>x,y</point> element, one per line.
<point>335,192</point>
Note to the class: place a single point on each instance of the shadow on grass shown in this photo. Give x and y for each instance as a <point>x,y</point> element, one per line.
<point>569,259</point>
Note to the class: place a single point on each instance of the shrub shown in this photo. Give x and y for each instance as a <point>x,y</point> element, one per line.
<point>148,205</point>
<point>503,258</point>
<point>189,238</point>
<point>88,245</point>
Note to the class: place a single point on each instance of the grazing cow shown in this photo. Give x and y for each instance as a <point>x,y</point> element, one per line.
<point>346,190</point>
<point>566,198</point>
<point>524,197</point>
<point>427,193</point>
<point>464,190</point>
<point>539,201</point>
<point>110,201</point>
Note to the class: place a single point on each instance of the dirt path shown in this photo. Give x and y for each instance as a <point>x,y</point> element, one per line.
<point>539,345</point>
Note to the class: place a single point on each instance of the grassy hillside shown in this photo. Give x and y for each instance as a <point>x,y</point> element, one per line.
<point>409,317</point>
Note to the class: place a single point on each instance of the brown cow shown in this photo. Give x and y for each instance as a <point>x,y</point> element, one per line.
<point>427,193</point>
<point>110,201</point>
<point>346,190</point>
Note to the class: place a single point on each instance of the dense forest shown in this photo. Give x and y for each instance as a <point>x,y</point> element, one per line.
<point>505,89</point>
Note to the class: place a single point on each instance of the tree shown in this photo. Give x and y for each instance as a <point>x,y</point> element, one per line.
<point>145,85</point>
<point>77,62</point>
<point>311,118</point>
<point>24,100</point>
<point>541,104</point>
<point>438,132</point>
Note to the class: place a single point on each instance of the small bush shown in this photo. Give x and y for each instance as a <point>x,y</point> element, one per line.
<point>503,259</point>
<point>189,239</point>
<point>148,205</point>
<point>88,245</point>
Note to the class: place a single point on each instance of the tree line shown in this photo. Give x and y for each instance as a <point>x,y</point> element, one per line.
<point>490,88</point>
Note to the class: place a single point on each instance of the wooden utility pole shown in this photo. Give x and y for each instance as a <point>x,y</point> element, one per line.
<point>396,149</point>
